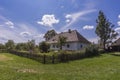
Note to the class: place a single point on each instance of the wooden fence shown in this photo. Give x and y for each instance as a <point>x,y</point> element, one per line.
<point>45,59</point>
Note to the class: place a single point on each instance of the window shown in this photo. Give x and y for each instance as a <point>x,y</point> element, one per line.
<point>68,45</point>
<point>57,46</point>
<point>53,46</point>
<point>81,46</point>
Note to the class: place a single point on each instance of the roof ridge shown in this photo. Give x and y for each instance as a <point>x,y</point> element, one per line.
<point>80,36</point>
<point>67,31</point>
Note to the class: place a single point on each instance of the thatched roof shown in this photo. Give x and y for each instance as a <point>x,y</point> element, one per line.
<point>72,36</point>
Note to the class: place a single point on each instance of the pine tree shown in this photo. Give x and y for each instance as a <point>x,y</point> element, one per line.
<point>104,30</point>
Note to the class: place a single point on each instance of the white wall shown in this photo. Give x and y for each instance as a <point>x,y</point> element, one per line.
<point>72,46</point>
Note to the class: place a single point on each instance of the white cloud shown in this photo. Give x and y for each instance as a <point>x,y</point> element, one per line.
<point>68,16</point>
<point>117,29</point>
<point>94,40</point>
<point>10,24</point>
<point>88,27</point>
<point>75,17</point>
<point>22,32</point>
<point>67,21</point>
<point>5,22</point>
<point>118,23</point>
<point>119,16</point>
<point>25,34</point>
<point>48,20</point>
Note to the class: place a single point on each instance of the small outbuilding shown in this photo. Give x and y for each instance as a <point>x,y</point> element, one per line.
<point>115,45</point>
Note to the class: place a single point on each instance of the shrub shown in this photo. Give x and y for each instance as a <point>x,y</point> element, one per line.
<point>44,47</point>
<point>91,50</point>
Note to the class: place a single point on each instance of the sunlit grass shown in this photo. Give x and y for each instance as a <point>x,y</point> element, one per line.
<point>104,67</point>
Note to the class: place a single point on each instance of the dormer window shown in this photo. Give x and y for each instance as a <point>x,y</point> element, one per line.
<point>69,30</point>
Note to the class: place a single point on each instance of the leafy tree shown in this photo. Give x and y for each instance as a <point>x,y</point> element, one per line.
<point>44,47</point>
<point>61,41</point>
<point>10,45</point>
<point>2,46</point>
<point>105,30</point>
<point>18,46</point>
<point>91,50</point>
<point>31,45</point>
<point>49,34</point>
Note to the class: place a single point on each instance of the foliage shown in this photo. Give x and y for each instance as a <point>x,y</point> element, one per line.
<point>105,30</point>
<point>31,45</point>
<point>91,50</point>
<point>61,41</point>
<point>10,45</point>
<point>2,46</point>
<point>21,46</point>
<point>49,34</point>
<point>44,47</point>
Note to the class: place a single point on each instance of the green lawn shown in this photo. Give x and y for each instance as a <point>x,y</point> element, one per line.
<point>104,67</point>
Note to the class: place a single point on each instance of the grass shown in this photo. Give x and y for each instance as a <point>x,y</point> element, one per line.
<point>104,67</point>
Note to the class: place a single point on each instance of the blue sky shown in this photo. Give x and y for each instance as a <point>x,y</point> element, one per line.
<point>23,20</point>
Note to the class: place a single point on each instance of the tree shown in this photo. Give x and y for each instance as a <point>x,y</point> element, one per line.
<point>61,41</point>
<point>49,34</point>
<point>44,47</point>
<point>10,45</point>
<point>2,46</point>
<point>104,30</point>
<point>31,45</point>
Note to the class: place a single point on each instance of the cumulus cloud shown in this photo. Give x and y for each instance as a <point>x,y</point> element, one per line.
<point>119,16</point>
<point>10,24</point>
<point>88,27</point>
<point>22,32</point>
<point>48,20</point>
<point>118,23</point>
<point>117,29</point>
<point>68,16</point>
<point>67,21</point>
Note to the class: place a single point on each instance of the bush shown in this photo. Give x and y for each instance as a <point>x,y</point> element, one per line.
<point>91,50</point>
<point>44,47</point>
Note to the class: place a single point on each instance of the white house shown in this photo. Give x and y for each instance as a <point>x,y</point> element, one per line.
<point>75,41</point>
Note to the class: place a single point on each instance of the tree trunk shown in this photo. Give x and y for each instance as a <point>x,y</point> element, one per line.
<point>104,45</point>
<point>60,46</point>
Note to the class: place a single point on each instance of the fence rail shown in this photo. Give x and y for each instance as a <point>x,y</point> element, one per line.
<point>45,59</point>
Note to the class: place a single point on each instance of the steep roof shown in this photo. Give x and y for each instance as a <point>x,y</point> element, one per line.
<point>116,43</point>
<point>72,36</point>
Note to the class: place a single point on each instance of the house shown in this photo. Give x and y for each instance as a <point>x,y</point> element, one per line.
<point>115,46</point>
<point>74,41</point>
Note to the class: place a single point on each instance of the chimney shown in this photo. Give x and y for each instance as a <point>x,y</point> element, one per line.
<point>69,30</point>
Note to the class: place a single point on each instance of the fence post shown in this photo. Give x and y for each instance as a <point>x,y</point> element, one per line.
<point>44,59</point>
<point>53,59</point>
